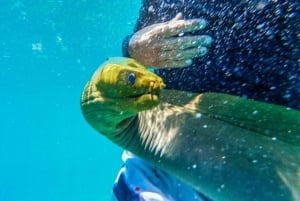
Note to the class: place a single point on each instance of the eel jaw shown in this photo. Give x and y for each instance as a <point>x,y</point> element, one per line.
<point>154,89</point>
<point>156,86</point>
<point>150,98</point>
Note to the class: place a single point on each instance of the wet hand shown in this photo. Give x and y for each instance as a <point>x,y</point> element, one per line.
<point>166,45</point>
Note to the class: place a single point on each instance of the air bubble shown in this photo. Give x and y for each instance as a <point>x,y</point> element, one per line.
<point>198,115</point>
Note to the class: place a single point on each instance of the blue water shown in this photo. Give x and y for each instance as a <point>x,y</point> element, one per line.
<point>49,50</point>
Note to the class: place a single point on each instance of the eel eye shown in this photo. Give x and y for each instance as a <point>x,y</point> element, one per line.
<point>131,78</point>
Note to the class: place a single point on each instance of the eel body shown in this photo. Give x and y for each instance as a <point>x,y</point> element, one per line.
<point>227,147</point>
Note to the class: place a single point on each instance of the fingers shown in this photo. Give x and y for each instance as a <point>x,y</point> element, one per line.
<point>177,27</point>
<point>179,16</point>
<point>181,43</point>
<point>167,44</point>
<point>176,63</point>
<point>174,52</point>
<point>179,52</point>
<point>183,54</point>
<point>178,58</point>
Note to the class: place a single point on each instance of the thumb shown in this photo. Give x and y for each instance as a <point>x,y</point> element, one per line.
<point>178,16</point>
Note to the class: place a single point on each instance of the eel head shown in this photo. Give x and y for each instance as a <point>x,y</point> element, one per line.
<point>128,84</point>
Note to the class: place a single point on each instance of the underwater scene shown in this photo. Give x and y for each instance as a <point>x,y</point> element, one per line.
<point>48,51</point>
<point>215,117</point>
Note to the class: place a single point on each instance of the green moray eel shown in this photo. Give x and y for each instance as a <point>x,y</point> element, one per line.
<point>227,147</point>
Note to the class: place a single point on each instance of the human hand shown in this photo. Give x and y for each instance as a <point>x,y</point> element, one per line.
<point>166,45</point>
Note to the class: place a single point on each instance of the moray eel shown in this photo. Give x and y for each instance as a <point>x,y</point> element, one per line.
<point>226,147</point>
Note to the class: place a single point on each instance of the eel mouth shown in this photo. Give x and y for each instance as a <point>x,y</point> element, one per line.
<point>153,91</point>
<point>153,94</point>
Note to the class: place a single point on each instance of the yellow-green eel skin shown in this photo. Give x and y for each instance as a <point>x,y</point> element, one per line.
<point>227,147</point>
